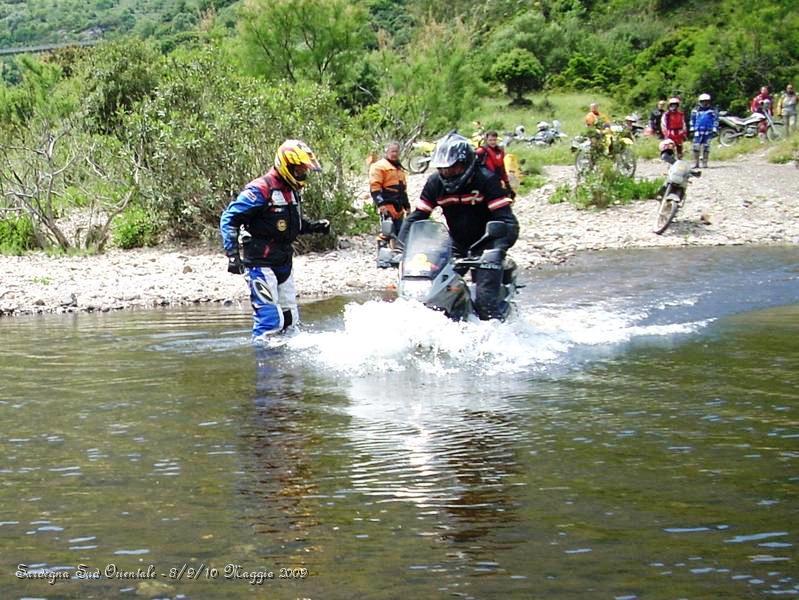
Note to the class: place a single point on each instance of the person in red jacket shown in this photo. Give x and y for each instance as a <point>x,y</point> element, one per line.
<point>761,104</point>
<point>672,124</point>
<point>492,156</point>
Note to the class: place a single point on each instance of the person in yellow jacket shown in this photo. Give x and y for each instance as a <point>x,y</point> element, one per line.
<point>388,185</point>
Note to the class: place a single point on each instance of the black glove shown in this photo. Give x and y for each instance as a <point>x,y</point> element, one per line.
<point>321,226</point>
<point>512,193</point>
<point>406,205</point>
<point>234,264</point>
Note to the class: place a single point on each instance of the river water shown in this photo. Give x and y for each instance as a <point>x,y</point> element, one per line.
<point>631,433</point>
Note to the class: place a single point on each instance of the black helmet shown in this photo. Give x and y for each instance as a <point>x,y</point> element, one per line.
<point>451,150</point>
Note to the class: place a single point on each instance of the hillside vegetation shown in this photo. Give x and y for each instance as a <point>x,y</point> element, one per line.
<point>183,101</point>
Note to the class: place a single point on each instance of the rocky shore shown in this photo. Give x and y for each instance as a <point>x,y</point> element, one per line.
<point>743,201</point>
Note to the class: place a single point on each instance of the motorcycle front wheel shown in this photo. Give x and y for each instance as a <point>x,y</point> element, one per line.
<point>774,133</point>
<point>582,162</point>
<point>727,137</point>
<point>418,164</point>
<point>666,211</point>
<point>626,162</point>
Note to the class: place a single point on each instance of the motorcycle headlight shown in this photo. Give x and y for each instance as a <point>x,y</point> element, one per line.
<point>415,289</point>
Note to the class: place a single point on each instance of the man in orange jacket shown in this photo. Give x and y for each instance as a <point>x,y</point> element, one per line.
<point>388,185</point>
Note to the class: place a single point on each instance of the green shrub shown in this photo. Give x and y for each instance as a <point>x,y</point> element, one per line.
<point>785,151</point>
<point>604,187</point>
<point>16,235</point>
<point>135,228</point>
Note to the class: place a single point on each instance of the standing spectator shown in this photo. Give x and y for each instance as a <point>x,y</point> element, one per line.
<point>705,126</point>
<point>672,125</point>
<point>655,116</point>
<point>761,104</point>
<point>492,156</point>
<point>594,118</point>
<point>388,186</point>
<point>787,108</point>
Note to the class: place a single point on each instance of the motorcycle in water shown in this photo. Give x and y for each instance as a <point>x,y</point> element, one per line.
<point>673,191</point>
<point>432,275</point>
<point>732,128</point>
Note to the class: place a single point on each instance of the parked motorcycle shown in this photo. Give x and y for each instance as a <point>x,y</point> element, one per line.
<point>634,125</point>
<point>420,157</point>
<point>673,193</point>
<point>546,134</point>
<point>732,128</point>
<point>609,142</point>
<point>430,274</point>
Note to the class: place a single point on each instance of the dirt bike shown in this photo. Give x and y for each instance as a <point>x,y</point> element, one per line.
<point>606,143</point>
<point>546,135</point>
<point>420,159</point>
<point>432,275</point>
<point>732,128</point>
<point>673,193</point>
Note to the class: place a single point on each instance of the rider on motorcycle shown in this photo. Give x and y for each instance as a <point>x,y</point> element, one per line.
<point>672,124</point>
<point>704,126</point>
<point>470,196</point>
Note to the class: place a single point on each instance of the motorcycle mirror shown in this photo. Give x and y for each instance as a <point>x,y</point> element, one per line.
<point>496,229</point>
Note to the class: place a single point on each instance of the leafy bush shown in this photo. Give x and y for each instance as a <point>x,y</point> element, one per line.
<point>206,132</point>
<point>16,235</point>
<point>604,187</point>
<point>785,151</point>
<point>135,228</point>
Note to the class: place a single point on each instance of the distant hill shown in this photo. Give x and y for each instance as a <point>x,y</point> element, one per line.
<point>41,22</point>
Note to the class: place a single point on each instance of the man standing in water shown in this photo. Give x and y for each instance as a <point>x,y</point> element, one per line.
<point>470,196</point>
<point>266,217</point>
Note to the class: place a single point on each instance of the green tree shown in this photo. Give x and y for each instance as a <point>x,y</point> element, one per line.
<point>207,131</point>
<point>315,40</point>
<point>115,77</point>
<point>520,72</point>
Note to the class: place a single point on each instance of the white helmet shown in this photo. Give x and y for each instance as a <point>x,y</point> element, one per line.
<point>520,130</point>
<point>704,97</point>
<point>542,125</point>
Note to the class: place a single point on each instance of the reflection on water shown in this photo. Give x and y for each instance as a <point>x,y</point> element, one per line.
<point>625,437</point>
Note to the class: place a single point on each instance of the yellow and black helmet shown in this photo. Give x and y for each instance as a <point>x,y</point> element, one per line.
<point>293,154</point>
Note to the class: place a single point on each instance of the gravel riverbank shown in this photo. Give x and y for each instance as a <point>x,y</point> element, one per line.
<point>743,201</point>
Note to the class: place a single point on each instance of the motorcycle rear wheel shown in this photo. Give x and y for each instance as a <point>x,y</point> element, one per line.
<point>418,164</point>
<point>626,162</point>
<point>666,212</point>
<point>727,137</point>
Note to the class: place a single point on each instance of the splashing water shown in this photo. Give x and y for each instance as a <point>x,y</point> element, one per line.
<point>381,337</point>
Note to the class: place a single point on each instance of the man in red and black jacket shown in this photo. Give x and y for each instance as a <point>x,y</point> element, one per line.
<point>269,212</point>
<point>470,196</point>
<point>492,156</point>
